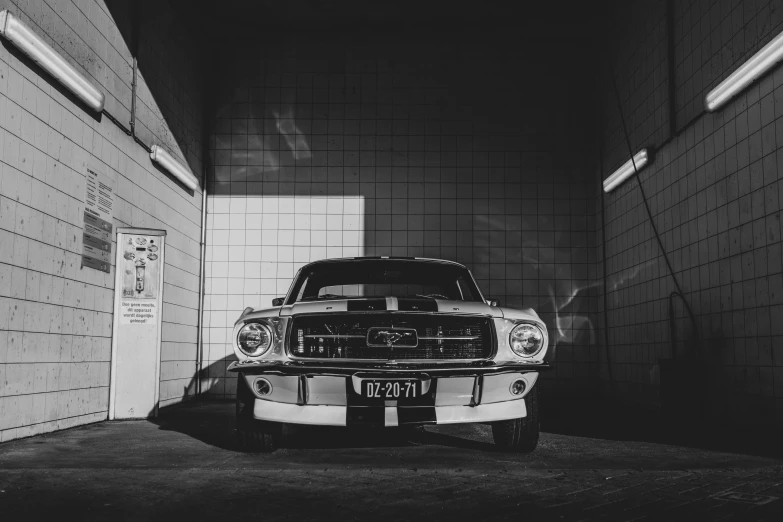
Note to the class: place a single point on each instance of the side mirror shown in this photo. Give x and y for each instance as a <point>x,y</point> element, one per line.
<point>278,301</point>
<point>492,302</point>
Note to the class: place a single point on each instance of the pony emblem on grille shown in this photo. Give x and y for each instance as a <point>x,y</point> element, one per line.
<point>392,337</point>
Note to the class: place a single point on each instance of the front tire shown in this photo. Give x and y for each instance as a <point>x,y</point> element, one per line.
<point>519,435</point>
<point>253,435</point>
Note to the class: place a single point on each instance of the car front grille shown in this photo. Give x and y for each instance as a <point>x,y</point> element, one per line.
<point>345,336</point>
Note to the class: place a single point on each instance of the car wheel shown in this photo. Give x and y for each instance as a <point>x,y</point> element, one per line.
<point>519,435</point>
<point>253,435</point>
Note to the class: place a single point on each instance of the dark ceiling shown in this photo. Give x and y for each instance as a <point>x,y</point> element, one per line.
<point>362,15</point>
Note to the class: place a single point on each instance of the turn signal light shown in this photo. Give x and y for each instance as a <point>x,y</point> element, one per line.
<point>518,387</point>
<point>262,386</point>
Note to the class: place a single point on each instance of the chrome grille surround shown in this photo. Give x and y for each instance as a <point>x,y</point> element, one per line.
<point>344,336</point>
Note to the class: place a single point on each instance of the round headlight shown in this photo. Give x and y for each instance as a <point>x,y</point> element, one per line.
<point>526,339</point>
<point>254,339</point>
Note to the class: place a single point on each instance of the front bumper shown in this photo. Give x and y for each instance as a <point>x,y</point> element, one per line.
<point>329,394</point>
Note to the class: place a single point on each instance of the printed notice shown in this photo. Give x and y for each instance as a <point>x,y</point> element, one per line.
<point>140,266</point>
<point>96,226</point>
<point>95,253</point>
<point>98,209</point>
<point>91,262</point>
<point>139,270</point>
<point>99,200</point>
<point>138,312</point>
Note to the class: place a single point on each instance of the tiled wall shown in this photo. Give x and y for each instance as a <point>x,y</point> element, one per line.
<point>169,112</point>
<point>711,40</point>
<point>713,189</point>
<point>439,145</point>
<point>56,317</point>
<point>436,146</point>
<point>636,51</point>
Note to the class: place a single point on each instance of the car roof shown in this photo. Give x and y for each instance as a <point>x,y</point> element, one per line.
<point>385,258</point>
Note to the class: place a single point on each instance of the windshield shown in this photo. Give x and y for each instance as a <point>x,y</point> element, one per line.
<point>384,278</point>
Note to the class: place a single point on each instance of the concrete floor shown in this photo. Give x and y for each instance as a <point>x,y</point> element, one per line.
<point>618,465</point>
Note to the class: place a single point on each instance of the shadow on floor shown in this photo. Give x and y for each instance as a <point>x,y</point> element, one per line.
<point>620,422</point>
<point>201,420</point>
<point>215,426</point>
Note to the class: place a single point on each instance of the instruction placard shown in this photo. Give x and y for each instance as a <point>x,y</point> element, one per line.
<point>140,266</point>
<point>99,200</point>
<point>138,312</point>
<point>98,209</point>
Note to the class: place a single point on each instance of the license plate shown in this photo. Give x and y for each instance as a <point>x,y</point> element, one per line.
<point>391,389</point>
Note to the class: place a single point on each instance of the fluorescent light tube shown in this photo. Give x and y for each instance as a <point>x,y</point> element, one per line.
<point>160,156</point>
<point>624,172</point>
<point>747,73</point>
<point>13,30</point>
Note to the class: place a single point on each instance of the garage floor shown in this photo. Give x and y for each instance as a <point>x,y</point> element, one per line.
<point>616,466</point>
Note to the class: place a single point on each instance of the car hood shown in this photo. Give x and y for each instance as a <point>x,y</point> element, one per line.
<point>441,306</point>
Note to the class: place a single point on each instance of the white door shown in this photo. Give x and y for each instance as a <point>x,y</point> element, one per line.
<point>135,361</point>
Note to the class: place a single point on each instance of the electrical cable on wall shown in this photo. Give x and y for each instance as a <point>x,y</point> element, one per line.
<point>604,241</point>
<point>678,291</point>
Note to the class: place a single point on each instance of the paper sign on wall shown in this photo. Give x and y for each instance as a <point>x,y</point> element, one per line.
<point>140,265</point>
<point>137,312</point>
<point>99,200</point>
<point>140,269</point>
<point>98,209</point>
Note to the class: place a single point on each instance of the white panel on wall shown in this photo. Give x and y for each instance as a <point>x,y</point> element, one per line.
<point>255,246</point>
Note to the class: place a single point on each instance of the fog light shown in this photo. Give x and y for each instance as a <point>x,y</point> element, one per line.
<point>518,387</point>
<point>263,387</point>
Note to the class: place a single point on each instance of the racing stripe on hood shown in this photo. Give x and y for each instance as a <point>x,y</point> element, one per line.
<point>364,305</point>
<point>406,304</point>
<point>467,307</point>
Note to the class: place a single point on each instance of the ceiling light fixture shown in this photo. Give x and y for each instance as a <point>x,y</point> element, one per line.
<point>16,32</point>
<point>747,73</point>
<point>640,159</point>
<point>160,156</point>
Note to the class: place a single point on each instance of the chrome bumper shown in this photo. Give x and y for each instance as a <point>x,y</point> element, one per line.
<point>330,394</point>
<point>386,416</point>
<point>345,368</point>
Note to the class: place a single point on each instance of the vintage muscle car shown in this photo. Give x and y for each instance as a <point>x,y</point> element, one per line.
<point>387,341</point>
